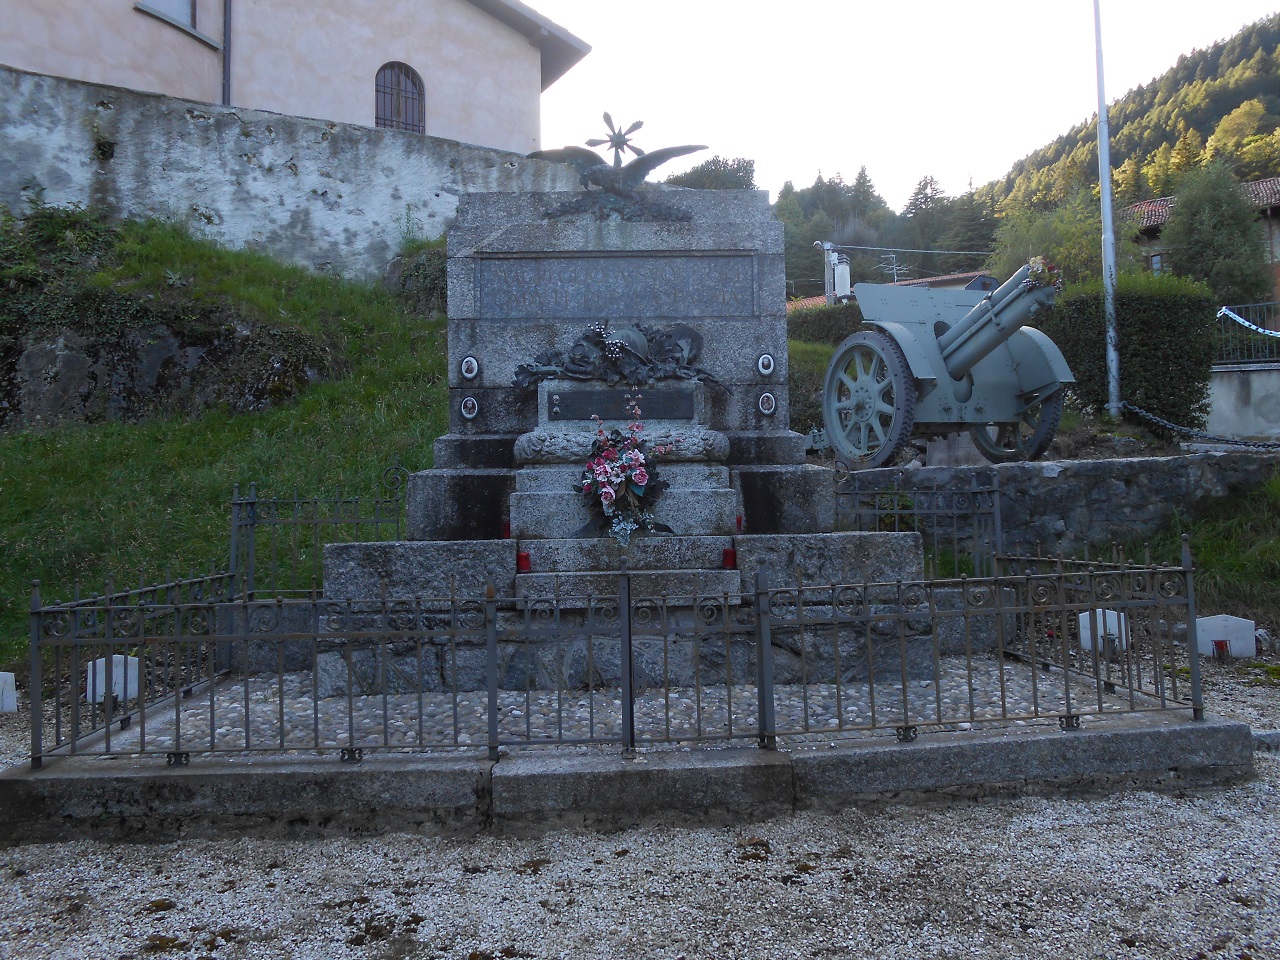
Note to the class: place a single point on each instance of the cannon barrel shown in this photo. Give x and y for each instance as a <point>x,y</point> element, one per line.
<point>992,322</point>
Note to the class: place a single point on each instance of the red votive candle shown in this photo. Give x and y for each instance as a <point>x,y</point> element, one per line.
<point>730,559</point>
<point>506,530</point>
<point>522,561</point>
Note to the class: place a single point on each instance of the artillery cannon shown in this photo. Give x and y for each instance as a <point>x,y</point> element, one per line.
<point>943,361</point>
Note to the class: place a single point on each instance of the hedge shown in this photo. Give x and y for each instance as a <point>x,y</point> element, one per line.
<point>1166,331</point>
<point>824,324</point>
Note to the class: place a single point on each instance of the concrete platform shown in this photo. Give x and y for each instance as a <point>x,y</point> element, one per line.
<point>596,787</point>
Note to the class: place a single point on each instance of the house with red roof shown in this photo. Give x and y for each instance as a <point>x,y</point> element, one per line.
<point>1150,216</point>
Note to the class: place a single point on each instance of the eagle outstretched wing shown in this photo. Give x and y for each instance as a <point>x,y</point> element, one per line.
<point>634,173</point>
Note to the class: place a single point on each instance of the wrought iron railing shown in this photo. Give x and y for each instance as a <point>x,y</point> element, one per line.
<point>960,528</point>
<point>1249,333</point>
<point>277,543</point>
<point>794,662</point>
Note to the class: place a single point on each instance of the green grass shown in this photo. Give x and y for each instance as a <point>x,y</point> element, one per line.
<point>807,368</point>
<point>83,503</point>
<point>1236,550</point>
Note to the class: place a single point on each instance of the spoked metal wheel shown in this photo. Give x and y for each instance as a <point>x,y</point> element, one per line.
<point>1028,439</point>
<point>868,400</point>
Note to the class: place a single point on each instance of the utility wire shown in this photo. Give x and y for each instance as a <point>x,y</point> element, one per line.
<point>982,253</point>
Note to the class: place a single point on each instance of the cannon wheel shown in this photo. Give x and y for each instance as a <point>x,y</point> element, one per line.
<point>868,400</point>
<point>1028,439</point>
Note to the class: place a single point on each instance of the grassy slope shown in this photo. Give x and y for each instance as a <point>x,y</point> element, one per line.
<point>82,503</point>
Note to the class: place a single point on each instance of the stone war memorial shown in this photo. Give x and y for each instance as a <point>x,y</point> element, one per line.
<point>690,293</point>
<point>620,545</point>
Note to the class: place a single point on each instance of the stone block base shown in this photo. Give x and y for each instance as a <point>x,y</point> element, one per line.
<point>831,558</point>
<point>408,569</point>
<point>458,504</point>
<point>793,498</point>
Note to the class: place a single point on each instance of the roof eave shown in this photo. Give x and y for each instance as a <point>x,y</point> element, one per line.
<point>560,49</point>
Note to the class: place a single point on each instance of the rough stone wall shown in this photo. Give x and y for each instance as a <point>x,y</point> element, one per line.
<point>1069,505</point>
<point>329,196</point>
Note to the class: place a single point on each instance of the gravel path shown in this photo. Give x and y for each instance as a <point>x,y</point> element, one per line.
<point>1129,875</point>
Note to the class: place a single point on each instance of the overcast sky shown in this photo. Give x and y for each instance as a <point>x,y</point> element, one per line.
<point>955,90</point>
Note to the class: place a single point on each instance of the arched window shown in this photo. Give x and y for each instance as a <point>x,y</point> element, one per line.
<point>401,98</point>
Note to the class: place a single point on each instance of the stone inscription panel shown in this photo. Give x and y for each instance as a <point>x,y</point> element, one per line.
<point>659,404</point>
<point>600,287</point>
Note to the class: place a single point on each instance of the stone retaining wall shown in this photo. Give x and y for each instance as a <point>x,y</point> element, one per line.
<point>330,196</point>
<point>1067,505</point>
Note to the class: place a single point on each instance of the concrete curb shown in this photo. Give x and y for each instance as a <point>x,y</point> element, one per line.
<point>140,800</point>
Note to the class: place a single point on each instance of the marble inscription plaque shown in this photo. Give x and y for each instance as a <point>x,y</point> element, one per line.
<point>636,287</point>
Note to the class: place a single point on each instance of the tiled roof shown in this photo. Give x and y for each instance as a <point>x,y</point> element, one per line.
<point>1264,193</point>
<point>1148,213</point>
<point>806,303</point>
<point>1155,213</point>
<point>950,278</point>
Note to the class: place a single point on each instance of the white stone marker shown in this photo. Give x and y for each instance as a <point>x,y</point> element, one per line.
<point>1110,623</point>
<point>124,679</point>
<point>8,694</point>
<point>1238,633</point>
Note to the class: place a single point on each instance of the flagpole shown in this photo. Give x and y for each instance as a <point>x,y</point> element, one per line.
<point>1108,233</point>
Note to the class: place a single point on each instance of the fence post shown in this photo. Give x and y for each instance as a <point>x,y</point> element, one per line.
<point>764,663</point>
<point>233,566</point>
<point>1193,642</point>
<point>491,658</point>
<point>628,688</point>
<point>35,684</point>
<point>251,538</point>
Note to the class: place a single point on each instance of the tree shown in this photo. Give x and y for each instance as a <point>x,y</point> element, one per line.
<point>1213,235</point>
<point>1159,172</point>
<point>1188,152</point>
<point>718,173</point>
<point>1070,236</point>
<point>1234,129</point>
<point>972,227</point>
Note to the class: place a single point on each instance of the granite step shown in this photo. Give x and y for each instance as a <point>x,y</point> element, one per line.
<point>688,512</point>
<point>676,585</point>
<point>605,554</point>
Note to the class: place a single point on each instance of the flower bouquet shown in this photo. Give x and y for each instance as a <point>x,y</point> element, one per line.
<point>620,482</point>
<point>1043,274</point>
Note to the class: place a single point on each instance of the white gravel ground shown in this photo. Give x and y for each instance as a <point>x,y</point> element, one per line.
<point>1129,875</point>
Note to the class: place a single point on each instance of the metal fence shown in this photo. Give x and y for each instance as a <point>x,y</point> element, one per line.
<point>187,670</point>
<point>1239,344</point>
<point>277,544</point>
<point>961,528</point>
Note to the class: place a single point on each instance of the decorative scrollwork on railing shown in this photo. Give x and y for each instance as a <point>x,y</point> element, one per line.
<point>1043,591</point>
<point>402,616</point>
<point>56,625</point>
<point>710,611</point>
<point>264,617</point>
<point>1107,587</point>
<point>471,615</point>
<point>196,621</point>
<point>1172,584</point>
<point>646,614</point>
<point>603,612</point>
<point>394,480</point>
<point>979,595</point>
<point>848,601</point>
<point>783,605</point>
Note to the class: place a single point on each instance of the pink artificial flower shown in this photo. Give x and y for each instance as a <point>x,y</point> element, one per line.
<point>641,476</point>
<point>607,495</point>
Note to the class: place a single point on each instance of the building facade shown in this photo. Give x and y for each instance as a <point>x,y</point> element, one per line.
<point>466,70</point>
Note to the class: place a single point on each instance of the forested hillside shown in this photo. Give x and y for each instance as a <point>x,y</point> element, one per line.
<point>1217,108</point>
<point>1221,103</point>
